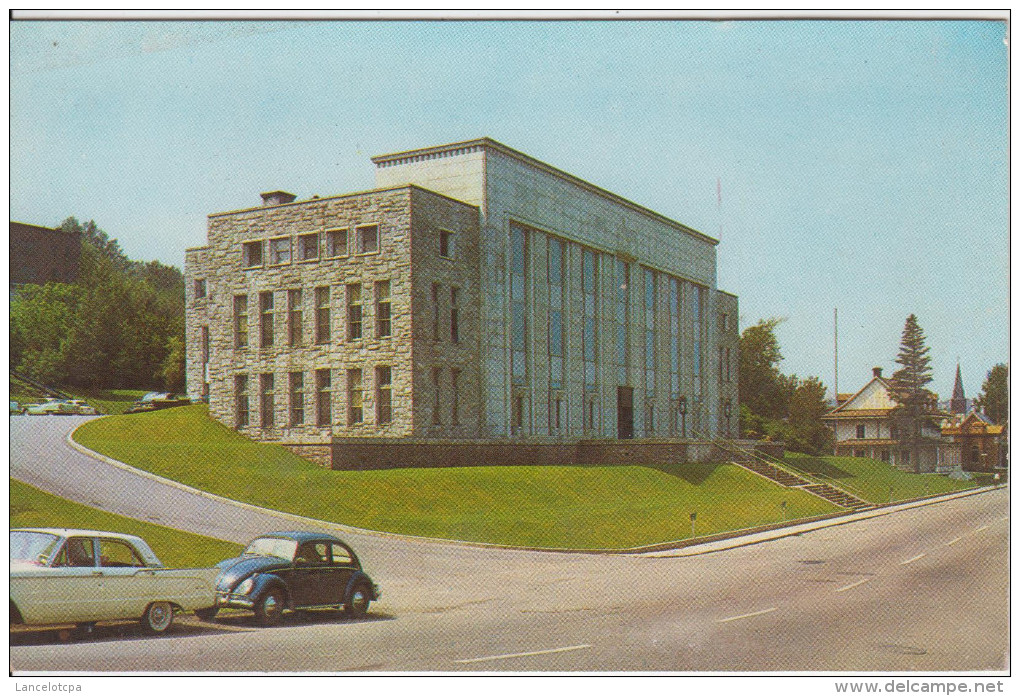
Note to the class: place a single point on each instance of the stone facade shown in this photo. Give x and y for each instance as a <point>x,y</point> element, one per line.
<point>524,303</point>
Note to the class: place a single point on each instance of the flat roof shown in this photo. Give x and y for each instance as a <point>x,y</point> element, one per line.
<point>408,156</point>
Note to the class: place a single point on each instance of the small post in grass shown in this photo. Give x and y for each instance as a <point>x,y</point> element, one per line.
<point>783,505</point>
<point>694,517</point>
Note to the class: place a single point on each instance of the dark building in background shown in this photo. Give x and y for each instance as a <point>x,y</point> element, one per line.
<point>41,255</point>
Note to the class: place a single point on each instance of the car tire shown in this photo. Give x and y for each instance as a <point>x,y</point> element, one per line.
<point>207,614</point>
<point>357,603</point>
<point>158,617</point>
<point>269,607</point>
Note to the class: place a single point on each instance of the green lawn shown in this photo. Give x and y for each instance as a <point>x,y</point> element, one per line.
<point>31,507</point>
<point>561,507</point>
<point>873,480</point>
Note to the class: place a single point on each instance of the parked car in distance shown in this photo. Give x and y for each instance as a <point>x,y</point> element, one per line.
<point>294,570</point>
<point>155,401</point>
<point>82,576</point>
<point>81,408</point>
<point>17,408</point>
<point>51,407</point>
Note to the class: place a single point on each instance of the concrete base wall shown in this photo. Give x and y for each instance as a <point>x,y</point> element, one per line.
<point>362,454</point>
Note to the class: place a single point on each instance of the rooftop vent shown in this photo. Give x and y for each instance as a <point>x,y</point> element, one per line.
<point>277,198</point>
<point>877,371</point>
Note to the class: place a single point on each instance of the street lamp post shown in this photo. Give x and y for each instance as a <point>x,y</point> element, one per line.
<point>694,517</point>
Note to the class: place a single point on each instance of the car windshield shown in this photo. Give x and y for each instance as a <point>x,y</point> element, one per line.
<point>29,546</point>
<point>272,546</point>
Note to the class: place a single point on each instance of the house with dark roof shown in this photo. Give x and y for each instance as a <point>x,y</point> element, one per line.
<point>982,443</point>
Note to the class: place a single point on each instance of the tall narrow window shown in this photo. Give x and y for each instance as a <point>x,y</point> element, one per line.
<point>323,397</point>
<point>279,251</point>
<point>368,239</point>
<point>437,396</point>
<point>435,312</point>
<point>383,395</point>
<point>200,288</point>
<point>267,329</point>
<point>622,317</point>
<point>383,326</point>
<point>556,329</point>
<point>353,312</point>
<point>446,248</point>
<point>649,350</point>
<point>241,408</point>
<point>204,345</point>
<point>455,397</point>
<point>251,255</point>
<point>268,402</point>
<point>674,354</point>
<point>699,333</point>
<point>295,319</point>
<point>588,332</point>
<point>308,247</point>
<point>323,330</point>
<point>240,321</point>
<point>518,305</point>
<point>722,363</point>
<point>454,315</point>
<point>297,398</point>
<point>355,397</point>
<point>729,364</point>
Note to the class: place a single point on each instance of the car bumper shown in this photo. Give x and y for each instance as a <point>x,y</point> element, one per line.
<point>227,599</point>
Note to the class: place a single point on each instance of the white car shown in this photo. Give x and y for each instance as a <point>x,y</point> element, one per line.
<point>50,407</point>
<point>81,576</point>
<point>82,408</point>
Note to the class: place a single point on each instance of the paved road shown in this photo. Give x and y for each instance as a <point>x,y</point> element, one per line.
<point>922,589</point>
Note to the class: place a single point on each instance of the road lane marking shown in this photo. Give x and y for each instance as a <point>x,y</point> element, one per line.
<point>981,529</point>
<point>950,543</point>
<point>911,560</point>
<point>523,654</point>
<point>747,616</point>
<point>853,585</point>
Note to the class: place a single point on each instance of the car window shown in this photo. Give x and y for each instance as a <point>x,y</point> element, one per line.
<point>29,546</point>
<point>114,553</point>
<point>76,553</point>
<point>313,553</point>
<point>341,556</point>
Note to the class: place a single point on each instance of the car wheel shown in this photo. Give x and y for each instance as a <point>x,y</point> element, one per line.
<point>269,608</point>
<point>158,617</point>
<point>207,614</point>
<point>357,604</point>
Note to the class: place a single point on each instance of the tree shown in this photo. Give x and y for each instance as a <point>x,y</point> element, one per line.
<point>761,387</point>
<point>807,406</point>
<point>914,402</point>
<point>994,398</point>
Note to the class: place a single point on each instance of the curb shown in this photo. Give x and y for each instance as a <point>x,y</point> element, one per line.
<point>740,537</point>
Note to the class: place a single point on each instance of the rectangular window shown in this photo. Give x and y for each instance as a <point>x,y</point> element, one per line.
<point>729,365</point>
<point>518,305</point>
<point>555,413</point>
<point>368,239</point>
<point>279,251</point>
<point>860,432</point>
<point>674,346</point>
<point>649,336</point>
<point>436,290</point>
<point>355,396</point>
<point>251,254</point>
<point>323,330</point>
<point>295,319</point>
<point>622,318</point>
<point>240,321</point>
<point>590,416</point>
<point>323,397</point>
<point>699,334</point>
<point>336,243</point>
<point>722,363</point>
<point>556,302</point>
<point>267,404</point>
<point>204,344</point>
<point>308,246</point>
<point>297,398</point>
<point>517,414</point>
<point>455,397</point>
<point>267,328</point>
<point>241,410</point>
<point>383,395</point>
<point>454,315</point>
<point>353,312</point>
<point>446,248</point>
<point>383,327</point>
<point>200,288</point>
<point>588,331</point>
<point>437,396</point>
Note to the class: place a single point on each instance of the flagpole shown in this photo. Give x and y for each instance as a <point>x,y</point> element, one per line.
<point>835,376</point>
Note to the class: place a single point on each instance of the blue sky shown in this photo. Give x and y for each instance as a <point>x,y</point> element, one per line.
<point>863,165</point>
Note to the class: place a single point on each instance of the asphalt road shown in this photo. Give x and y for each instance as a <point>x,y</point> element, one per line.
<point>920,589</point>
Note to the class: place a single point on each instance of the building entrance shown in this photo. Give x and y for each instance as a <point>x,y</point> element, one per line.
<point>625,413</point>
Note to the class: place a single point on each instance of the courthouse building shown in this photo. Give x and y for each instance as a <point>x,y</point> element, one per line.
<point>476,294</point>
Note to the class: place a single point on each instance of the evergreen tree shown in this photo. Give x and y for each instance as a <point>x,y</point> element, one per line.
<point>914,402</point>
<point>994,398</point>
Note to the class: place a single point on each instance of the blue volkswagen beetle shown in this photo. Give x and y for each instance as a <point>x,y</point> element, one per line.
<point>293,570</point>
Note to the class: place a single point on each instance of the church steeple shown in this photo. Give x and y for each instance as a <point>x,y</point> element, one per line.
<point>958,404</point>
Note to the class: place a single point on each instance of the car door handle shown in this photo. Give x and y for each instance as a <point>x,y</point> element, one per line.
<point>97,572</point>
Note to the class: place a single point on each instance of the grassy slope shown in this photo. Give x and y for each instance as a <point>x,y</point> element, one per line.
<point>872,479</point>
<point>580,507</point>
<point>31,507</point>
